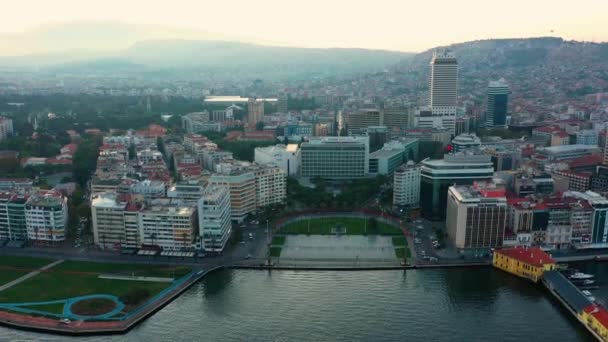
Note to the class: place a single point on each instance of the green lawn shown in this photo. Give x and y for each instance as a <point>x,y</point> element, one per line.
<point>53,308</point>
<point>275,252</point>
<point>19,266</point>
<point>354,226</point>
<point>278,241</point>
<point>65,281</point>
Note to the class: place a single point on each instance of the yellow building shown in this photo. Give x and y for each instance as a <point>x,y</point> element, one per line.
<point>523,262</point>
<point>596,318</point>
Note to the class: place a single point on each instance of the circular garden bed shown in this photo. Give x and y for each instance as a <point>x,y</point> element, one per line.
<point>93,306</point>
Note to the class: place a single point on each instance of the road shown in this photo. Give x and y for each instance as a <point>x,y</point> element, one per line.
<point>236,254</point>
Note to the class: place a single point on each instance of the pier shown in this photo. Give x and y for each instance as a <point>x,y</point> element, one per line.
<point>573,300</point>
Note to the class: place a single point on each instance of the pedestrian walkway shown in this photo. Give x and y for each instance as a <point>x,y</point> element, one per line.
<point>29,275</point>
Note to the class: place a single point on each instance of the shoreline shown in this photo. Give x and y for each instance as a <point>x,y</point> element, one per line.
<point>98,328</point>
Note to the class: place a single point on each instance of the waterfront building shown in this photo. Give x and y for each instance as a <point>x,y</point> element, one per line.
<point>476,215</point>
<point>270,185</point>
<point>464,141</point>
<point>241,183</point>
<point>46,216</point>
<point>214,217</point>
<point>107,216</point>
<point>596,318</point>
<point>525,262</point>
<point>167,225</point>
<point>599,219</point>
<point>498,100</point>
<point>335,157</point>
<point>12,216</point>
<point>437,175</point>
<point>286,157</point>
<point>406,186</point>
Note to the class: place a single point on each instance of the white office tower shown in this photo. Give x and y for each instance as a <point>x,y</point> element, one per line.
<point>443,81</point>
<point>443,93</point>
<point>214,218</point>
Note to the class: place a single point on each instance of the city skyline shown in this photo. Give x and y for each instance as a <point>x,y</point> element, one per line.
<point>389,25</point>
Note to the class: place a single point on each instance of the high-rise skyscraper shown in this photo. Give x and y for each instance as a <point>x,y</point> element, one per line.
<point>443,81</point>
<point>443,93</point>
<point>498,98</point>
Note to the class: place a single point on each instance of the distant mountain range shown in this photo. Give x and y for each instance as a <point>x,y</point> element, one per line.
<point>112,47</point>
<point>115,48</point>
<point>516,53</point>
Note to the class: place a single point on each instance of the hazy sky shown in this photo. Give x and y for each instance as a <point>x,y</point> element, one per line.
<point>408,25</point>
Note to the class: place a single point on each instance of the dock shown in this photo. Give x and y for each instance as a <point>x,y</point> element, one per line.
<point>571,298</point>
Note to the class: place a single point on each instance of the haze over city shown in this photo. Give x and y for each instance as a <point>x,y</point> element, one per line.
<point>411,26</point>
<point>281,170</point>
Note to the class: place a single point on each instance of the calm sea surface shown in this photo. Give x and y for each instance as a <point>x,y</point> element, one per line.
<point>474,304</point>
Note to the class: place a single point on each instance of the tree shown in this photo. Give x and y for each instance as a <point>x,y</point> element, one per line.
<point>83,210</point>
<point>160,144</point>
<point>85,159</point>
<point>259,126</point>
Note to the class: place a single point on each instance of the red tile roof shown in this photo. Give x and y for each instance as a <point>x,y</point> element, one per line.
<point>599,313</point>
<point>585,161</point>
<point>532,256</point>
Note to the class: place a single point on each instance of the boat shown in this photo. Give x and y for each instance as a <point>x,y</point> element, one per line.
<point>588,295</point>
<point>583,282</point>
<point>580,276</point>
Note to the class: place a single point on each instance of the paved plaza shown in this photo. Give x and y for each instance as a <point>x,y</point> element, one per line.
<point>338,247</point>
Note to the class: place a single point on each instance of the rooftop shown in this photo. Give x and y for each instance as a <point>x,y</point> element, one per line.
<point>532,255</point>
<point>569,148</point>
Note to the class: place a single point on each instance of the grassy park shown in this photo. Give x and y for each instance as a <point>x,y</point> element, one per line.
<point>13,267</point>
<point>74,278</point>
<point>353,226</point>
<point>401,248</point>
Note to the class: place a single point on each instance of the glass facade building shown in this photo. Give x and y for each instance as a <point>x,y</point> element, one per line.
<point>335,157</point>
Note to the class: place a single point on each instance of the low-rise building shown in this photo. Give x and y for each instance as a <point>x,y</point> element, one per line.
<point>287,157</point>
<point>525,262</point>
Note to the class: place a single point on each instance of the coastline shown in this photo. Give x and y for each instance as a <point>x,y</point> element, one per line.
<point>90,328</point>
